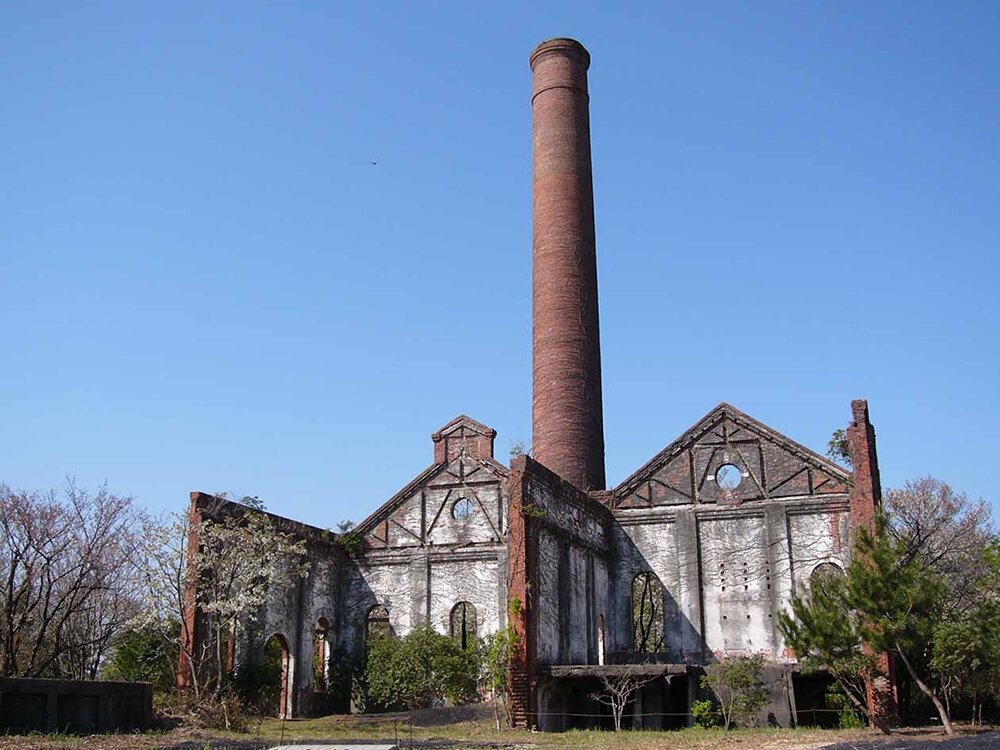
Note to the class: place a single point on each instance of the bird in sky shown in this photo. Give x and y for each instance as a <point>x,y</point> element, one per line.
<point>374,163</point>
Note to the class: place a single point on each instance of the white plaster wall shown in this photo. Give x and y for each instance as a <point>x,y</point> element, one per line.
<point>547,599</point>
<point>817,538</point>
<point>473,581</point>
<point>736,576</point>
<point>484,525</point>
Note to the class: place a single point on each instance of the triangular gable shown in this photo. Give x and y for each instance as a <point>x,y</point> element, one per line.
<point>763,464</point>
<point>463,452</point>
<point>398,521</point>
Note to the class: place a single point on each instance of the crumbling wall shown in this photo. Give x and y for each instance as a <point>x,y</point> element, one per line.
<point>573,541</point>
<point>732,517</point>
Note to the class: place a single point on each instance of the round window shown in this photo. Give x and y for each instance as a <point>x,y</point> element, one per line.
<point>462,509</point>
<point>728,477</point>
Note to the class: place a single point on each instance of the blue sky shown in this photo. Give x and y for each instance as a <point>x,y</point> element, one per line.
<point>207,285</point>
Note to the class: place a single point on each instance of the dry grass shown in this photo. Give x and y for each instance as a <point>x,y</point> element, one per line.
<point>478,733</point>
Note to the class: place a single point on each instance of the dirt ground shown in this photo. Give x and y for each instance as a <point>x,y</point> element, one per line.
<point>481,734</point>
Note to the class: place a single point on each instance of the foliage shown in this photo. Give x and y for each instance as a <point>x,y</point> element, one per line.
<point>350,539</point>
<point>839,448</point>
<point>239,558</point>
<point>494,662</point>
<point>705,714</point>
<point>849,717</point>
<point>946,532</point>
<point>966,649</point>
<point>897,600</point>
<point>738,685</point>
<point>145,655</point>
<point>258,684</point>
<point>519,448</point>
<point>252,501</point>
<point>67,585</point>
<point>421,670</point>
<point>888,599</point>
<point>823,632</point>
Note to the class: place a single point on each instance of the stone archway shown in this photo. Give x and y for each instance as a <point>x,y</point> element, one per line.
<point>277,653</point>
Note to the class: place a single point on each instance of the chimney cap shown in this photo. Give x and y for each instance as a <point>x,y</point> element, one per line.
<point>560,44</point>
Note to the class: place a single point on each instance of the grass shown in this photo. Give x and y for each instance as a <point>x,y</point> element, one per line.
<point>479,733</point>
<point>482,733</point>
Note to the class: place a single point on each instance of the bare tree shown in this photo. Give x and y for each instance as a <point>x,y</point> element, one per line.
<point>66,589</point>
<point>946,531</point>
<point>618,689</point>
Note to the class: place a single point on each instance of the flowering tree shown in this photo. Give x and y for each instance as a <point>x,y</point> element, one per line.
<point>237,560</point>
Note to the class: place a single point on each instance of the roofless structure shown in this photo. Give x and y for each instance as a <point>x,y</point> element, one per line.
<point>688,561</point>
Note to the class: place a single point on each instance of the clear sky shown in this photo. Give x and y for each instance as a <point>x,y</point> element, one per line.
<point>208,286</point>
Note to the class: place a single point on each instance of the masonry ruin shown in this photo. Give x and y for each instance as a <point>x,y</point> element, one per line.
<point>716,532</point>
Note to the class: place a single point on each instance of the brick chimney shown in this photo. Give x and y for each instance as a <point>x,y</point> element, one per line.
<point>567,413</point>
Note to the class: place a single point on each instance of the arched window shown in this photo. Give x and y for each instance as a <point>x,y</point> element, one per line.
<point>824,574</point>
<point>647,613</point>
<point>321,658</point>
<point>378,624</point>
<point>463,623</point>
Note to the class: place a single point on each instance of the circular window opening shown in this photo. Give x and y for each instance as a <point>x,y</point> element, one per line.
<point>728,477</point>
<point>463,509</point>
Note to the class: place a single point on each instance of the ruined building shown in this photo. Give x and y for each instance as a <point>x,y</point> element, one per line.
<point>688,560</point>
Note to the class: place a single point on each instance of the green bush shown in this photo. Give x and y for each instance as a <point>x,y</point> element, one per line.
<point>848,718</point>
<point>145,655</point>
<point>258,684</point>
<point>420,670</point>
<point>705,714</point>
<point>739,687</point>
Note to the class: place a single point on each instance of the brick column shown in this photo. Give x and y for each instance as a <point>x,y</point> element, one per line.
<point>866,502</point>
<point>193,634</point>
<point>521,581</point>
<point>567,411</point>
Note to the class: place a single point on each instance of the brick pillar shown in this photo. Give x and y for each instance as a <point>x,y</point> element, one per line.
<point>193,633</point>
<point>866,502</point>
<point>567,413</point>
<point>521,572</point>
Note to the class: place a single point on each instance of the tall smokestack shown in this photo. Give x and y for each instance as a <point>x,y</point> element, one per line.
<point>568,421</point>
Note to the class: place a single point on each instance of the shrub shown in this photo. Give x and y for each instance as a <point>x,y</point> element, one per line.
<point>145,655</point>
<point>705,714</point>
<point>737,683</point>
<point>420,670</point>
<point>848,718</point>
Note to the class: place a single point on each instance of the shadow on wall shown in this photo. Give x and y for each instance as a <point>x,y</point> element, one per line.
<point>651,627</point>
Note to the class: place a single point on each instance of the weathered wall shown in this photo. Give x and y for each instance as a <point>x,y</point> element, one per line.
<point>572,534</point>
<point>77,706</point>
<point>729,557</point>
<point>419,560</point>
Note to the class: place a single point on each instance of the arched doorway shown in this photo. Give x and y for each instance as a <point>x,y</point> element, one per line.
<point>321,657</point>
<point>276,663</point>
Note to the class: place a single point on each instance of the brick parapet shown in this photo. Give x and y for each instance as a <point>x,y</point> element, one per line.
<point>522,563</point>
<point>866,503</point>
<point>192,639</point>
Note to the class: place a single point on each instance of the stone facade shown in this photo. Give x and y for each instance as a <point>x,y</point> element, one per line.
<point>468,529</point>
